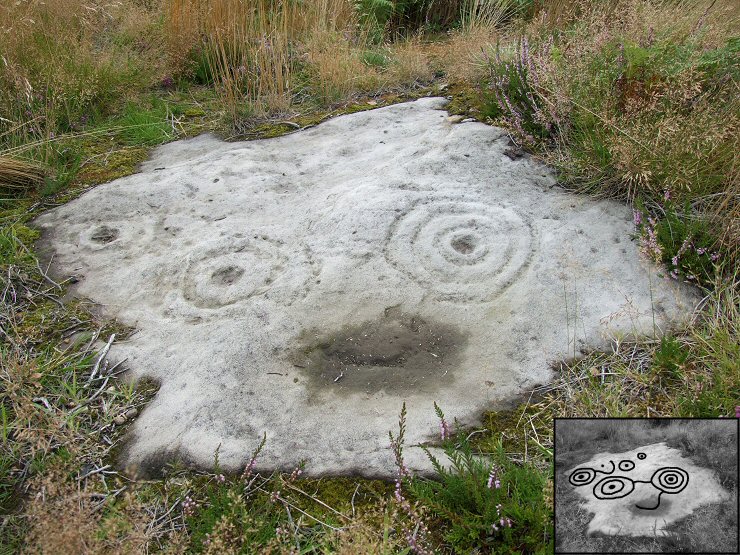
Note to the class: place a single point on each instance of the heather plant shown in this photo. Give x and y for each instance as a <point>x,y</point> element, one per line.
<point>413,527</point>
<point>629,102</point>
<point>679,241</point>
<point>478,501</point>
<point>515,99</point>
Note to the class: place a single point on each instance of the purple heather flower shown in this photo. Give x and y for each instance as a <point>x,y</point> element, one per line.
<point>504,522</point>
<point>189,506</point>
<point>637,215</point>
<point>737,412</point>
<point>250,468</point>
<point>493,480</point>
<point>397,493</point>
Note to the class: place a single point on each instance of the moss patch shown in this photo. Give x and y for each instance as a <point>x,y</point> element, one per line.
<point>111,164</point>
<point>341,493</point>
<point>467,100</point>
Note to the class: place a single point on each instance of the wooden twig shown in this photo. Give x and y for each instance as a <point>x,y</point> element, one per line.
<point>109,371</point>
<point>319,501</point>
<point>92,472</point>
<point>352,501</point>
<point>301,511</point>
<point>100,358</point>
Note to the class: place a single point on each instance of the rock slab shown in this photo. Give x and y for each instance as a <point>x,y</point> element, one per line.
<point>306,286</point>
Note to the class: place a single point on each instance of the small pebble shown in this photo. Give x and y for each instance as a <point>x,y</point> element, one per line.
<point>130,413</point>
<point>120,419</point>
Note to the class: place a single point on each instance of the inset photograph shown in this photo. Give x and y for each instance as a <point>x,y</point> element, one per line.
<point>664,485</point>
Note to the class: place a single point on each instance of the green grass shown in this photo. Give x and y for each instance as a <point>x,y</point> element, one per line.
<point>619,117</point>
<point>376,58</point>
<point>148,127</point>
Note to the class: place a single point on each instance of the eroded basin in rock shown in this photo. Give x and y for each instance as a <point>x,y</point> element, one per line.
<point>248,268</point>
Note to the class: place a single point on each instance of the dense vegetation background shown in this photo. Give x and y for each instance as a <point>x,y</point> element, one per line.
<point>636,100</point>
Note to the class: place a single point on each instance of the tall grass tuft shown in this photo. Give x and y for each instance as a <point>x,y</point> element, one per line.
<point>18,176</point>
<point>251,50</point>
<point>64,64</point>
<point>488,13</point>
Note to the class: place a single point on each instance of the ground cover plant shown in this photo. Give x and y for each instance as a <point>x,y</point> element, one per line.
<point>633,100</point>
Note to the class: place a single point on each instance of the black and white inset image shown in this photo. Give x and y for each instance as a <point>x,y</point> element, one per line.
<point>646,485</point>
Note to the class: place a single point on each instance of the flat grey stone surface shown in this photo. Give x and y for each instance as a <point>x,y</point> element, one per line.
<point>306,286</point>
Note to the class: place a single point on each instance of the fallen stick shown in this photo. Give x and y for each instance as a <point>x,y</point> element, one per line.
<point>317,500</point>
<point>302,511</point>
<point>92,472</point>
<point>100,358</point>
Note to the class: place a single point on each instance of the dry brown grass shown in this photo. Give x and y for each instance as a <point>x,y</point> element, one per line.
<point>462,56</point>
<point>267,56</point>
<point>334,68</point>
<point>411,64</point>
<point>252,50</point>
<point>19,175</point>
<point>66,517</point>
